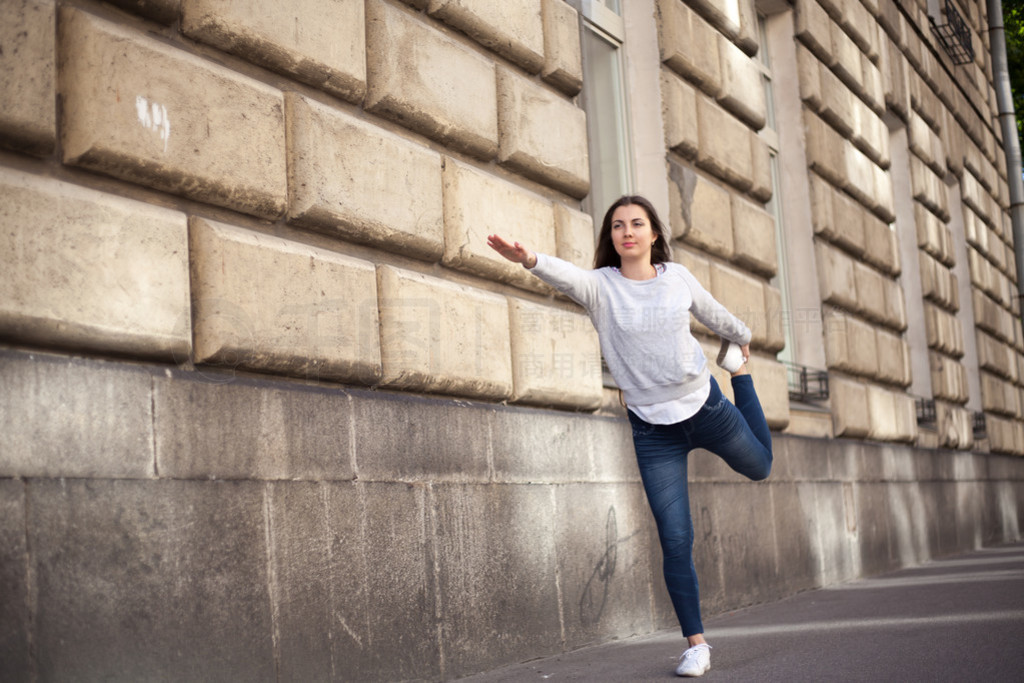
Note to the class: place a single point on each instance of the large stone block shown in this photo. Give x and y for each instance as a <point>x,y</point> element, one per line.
<point>740,530</point>
<point>324,46</point>
<point>871,291</point>
<point>574,234</point>
<point>848,219</point>
<point>925,143</point>
<point>893,358</point>
<point>893,415</point>
<point>679,112</point>
<point>847,55</point>
<point>689,45</point>
<point>809,77</point>
<point>487,581</point>
<point>933,235</point>
<point>857,21</point>
<point>928,188</point>
<point>997,357</point>
<point>355,179</point>
<point>265,303</point>
<point>350,567</point>
<point>701,212</point>
<point>139,109</point>
<point>68,418</point>
<point>724,145</point>
<point>743,295</point>
<point>869,133</point>
<point>849,406</point>
<point>563,55</point>
<point>943,330</point>
<point>725,15</point>
<point>512,28</point>
<point>438,336</point>
<point>850,344</point>
<point>556,359</point>
<point>28,115</point>
<point>478,204</point>
<point>881,248</point>
<point>825,149</point>
<point>603,536</point>
<point>761,160</point>
<point>998,395</point>
<point>85,269</point>
<point>577,439</point>
<point>15,619</point>
<point>542,135</point>
<point>868,182</point>
<point>772,390</point>
<point>813,28</point>
<point>992,317</point>
<point>754,237</point>
<point>837,103</point>
<point>164,11</point>
<point>836,276</point>
<point>445,438</point>
<point>430,82</point>
<point>949,378</point>
<point>742,90</point>
<point>895,314</point>
<point>141,580</point>
<point>775,317</point>
<point>206,427</point>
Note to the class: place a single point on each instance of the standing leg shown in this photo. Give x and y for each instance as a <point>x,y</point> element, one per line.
<point>661,452</point>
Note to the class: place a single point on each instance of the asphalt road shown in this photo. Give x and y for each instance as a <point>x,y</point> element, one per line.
<point>955,619</point>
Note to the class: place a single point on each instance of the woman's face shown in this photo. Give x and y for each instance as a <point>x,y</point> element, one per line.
<point>632,234</point>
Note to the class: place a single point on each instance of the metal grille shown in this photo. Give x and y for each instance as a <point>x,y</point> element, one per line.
<point>954,35</point>
<point>925,411</point>
<point>806,384</point>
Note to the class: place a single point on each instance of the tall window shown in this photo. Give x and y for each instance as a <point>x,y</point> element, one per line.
<point>604,100</point>
<point>770,135</point>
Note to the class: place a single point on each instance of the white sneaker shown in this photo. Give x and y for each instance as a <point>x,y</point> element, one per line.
<point>695,661</point>
<point>730,358</point>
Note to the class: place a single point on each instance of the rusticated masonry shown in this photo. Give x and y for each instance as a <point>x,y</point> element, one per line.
<point>270,408</point>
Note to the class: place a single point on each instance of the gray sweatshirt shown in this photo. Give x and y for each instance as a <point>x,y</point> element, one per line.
<point>644,325</point>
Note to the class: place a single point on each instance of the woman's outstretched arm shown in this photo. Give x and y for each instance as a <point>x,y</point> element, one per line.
<point>515,252</point>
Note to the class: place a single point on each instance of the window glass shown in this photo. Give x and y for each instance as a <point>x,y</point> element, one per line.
<point>607,126</point>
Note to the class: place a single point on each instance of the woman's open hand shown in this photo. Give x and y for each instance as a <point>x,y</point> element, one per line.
<point>515,252</point>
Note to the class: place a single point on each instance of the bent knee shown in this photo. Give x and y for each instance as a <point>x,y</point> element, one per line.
<point>761,473</point>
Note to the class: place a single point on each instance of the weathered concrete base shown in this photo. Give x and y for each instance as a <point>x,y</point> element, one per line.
<point>330,533</point>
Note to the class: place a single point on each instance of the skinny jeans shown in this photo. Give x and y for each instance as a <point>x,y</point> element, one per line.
<point>739,435</point>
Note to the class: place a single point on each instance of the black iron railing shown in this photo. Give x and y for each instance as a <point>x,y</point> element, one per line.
<point>925,410</point>
<point>954,35</point>
<point>806,384</point>
<point>980,428</point>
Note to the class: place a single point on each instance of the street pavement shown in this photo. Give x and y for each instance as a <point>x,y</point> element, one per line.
<point>955,619</point>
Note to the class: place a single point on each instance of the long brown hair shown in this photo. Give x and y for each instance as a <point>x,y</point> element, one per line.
<point>605,254</point>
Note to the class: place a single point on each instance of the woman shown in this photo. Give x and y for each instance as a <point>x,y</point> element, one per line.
<point>640,302</point>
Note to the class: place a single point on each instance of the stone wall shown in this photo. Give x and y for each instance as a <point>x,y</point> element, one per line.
<point>271,407</point>
<point>176,524</point>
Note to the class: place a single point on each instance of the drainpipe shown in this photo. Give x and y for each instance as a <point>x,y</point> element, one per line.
<point>1011,145</point>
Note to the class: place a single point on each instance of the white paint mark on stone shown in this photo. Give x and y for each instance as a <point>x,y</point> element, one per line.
<point>154,117</point>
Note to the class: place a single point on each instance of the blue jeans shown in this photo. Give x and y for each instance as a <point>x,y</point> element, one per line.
<point>739,435</point>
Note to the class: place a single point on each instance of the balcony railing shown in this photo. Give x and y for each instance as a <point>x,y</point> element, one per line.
<point>954,35</point>
<point>806,384</point>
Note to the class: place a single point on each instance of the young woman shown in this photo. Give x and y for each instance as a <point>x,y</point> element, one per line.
<point>640,302</point>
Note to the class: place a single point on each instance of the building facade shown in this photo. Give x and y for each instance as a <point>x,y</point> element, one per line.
<point>271,408</point>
